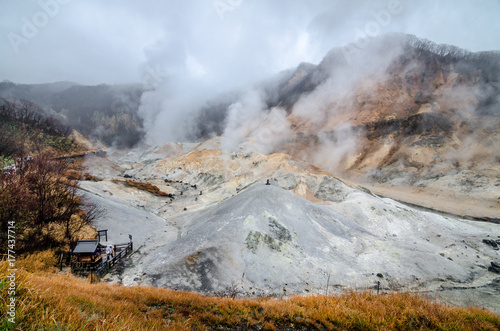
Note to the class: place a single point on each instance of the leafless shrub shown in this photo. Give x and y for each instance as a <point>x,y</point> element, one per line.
<point>231,291</point>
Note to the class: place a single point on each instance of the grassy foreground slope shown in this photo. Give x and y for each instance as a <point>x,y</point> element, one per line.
<point>50,301</point>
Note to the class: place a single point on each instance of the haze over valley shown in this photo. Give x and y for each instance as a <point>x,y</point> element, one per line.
<point>329,147</point>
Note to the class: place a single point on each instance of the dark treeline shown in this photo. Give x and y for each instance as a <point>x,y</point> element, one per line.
<point>105,112</point>
<point>486,63</point>
<point>24,126</point>
<point>31,113</point>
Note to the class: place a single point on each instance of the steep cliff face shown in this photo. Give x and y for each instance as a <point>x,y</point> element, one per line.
<point>420,116</point>
<point>401,112</point>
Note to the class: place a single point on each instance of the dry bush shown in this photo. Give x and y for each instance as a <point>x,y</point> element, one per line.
<point>86,232</point>
<point>89,177</point>
<point>72,174</point>
<point>40,200</point>
<point>148,187</point>
<point>58,231</point>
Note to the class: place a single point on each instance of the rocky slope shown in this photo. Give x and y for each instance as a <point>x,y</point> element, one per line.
<point>429,125</point>
<point>401,115</point>
<point>221,228</point>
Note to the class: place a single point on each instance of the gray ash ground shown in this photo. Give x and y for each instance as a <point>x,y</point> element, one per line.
<point>254,239</point>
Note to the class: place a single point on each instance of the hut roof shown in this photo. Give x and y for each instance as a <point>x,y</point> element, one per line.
<point>86,246</point>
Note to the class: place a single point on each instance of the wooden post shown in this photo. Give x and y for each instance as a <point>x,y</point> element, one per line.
<point>103,233</point>
<point>327,284</point>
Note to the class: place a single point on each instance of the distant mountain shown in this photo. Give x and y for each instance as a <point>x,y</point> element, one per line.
<point>413,118</point>
<point>398,111</point>
<point>105,112</point>
<point>38,93</point>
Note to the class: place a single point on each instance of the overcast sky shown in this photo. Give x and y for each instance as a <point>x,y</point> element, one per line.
<point>220,41</point>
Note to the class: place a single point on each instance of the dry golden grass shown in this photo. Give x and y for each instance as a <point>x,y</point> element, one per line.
<point>89,177</point>
<point>87,232</point>
<point>57,231</point>
<point>73,174</point>
<point>52,301</point>
<point>39,261</point>
<point>153,189</point>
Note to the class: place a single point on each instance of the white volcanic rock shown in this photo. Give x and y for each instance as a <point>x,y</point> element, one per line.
<point>307,228</point>
<point>270,239</point>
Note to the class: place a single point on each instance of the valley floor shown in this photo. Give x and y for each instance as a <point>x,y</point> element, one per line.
<point>228,228</point>
<point>454,203</point>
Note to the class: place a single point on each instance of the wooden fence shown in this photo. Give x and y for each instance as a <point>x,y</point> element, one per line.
<point>100,267</point>
<point>122,250</point>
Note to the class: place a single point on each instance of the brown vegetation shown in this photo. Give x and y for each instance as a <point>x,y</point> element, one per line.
<point>38,194</point>
<point>51,301</point>
<point>42,203</point>
<point>90,177</point>
<point>153,189</point>
<point>24,126</point>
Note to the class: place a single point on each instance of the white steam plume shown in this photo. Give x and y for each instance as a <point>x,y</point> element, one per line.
<point>250,127</point>
<point>240,116</point>
<point>335,147</point>
<point>328,109</point>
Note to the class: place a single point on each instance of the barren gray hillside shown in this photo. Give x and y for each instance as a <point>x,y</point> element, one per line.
<point>403,118</point>
<point>273,239</point>
<point>305,230</point>
<point>415,120</point>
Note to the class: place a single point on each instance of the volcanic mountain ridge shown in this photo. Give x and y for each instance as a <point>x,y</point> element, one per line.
<point>404,116</point>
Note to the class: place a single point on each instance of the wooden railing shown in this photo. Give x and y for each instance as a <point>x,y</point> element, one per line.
<point>101,266</point>
<point>121,251</point>
<point>64,260</point>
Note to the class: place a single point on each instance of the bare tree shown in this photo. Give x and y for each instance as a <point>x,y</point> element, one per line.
<point>8,145</point>
<point>89,212</point>
<point>9,108</point>
<point>39,197</point>
<point>28,109</point>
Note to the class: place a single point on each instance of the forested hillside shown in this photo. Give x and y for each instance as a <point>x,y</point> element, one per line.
<point>40,206</point>
<point>104,112</point>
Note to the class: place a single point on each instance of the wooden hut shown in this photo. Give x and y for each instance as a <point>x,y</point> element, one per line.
<point>87,251</point>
